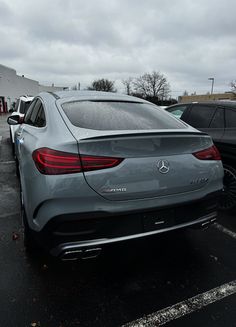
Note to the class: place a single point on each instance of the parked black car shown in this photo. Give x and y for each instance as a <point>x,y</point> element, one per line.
<point>218,119</point>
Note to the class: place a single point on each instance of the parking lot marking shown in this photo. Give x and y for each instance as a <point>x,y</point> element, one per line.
<point>225,230</point>
<point>0,139</point>
<point>185,307</point>
<point>7,162</point>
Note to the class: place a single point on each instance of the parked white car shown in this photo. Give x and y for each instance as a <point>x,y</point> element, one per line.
<point>21,107</point>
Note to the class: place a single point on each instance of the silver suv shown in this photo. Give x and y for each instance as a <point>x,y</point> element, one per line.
<point>97,168</point>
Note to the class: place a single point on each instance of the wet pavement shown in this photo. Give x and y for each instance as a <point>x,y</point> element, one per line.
<point>127,282</point>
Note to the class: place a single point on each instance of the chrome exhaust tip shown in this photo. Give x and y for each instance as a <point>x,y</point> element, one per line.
<point>207,224</point>
<point>91,253</point>
<point>72,255</point>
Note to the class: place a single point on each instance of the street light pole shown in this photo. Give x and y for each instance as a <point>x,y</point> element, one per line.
<point>212,83</point>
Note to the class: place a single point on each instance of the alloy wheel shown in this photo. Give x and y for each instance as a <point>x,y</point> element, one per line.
<point>228,196</point>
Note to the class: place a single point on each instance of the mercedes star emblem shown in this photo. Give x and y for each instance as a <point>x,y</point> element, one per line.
<point>163,166</point>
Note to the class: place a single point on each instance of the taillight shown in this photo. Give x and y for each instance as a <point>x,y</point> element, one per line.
<point>211,153</point>
<point>53,162</point>
<point>95,162</point>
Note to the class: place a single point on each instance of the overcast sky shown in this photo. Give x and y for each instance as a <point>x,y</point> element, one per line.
<point>71,41</point>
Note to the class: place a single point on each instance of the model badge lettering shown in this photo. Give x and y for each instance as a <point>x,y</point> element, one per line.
<point>199,180</point>
<point>115,190</point>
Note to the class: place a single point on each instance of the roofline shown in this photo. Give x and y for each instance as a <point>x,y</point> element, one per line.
<point>94,95</point>
<point>54,95</point>
<point>216,102</point>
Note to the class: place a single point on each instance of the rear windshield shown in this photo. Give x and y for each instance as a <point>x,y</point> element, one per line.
<point>113,115</point>
<point>24,106</point>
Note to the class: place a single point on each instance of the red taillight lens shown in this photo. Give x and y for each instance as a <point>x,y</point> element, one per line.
<point>52,162</point>
<point>211,153</point>
<point>94,162</point>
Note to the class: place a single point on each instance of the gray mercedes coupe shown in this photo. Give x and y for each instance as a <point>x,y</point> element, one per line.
<point>97,168</point>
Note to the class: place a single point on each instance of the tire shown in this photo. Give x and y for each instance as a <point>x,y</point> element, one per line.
<point>12,145</point>
<point>228,196</point>
<point>28,237</point>
<point>17,168</point>
<point>29,241</point>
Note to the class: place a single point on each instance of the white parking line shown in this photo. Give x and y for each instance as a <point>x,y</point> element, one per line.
<point>225,230</point>
<point>0,139</point>
<point>7,162</point>
<point>183,308</point>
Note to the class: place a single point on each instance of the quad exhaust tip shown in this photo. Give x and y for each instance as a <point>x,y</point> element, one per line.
<point>72,255</point>
<point>92,253</point>
<point>206,224</point>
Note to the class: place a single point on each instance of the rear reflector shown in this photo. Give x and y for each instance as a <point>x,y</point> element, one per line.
<point>52,162</point>
<point>211,153</point>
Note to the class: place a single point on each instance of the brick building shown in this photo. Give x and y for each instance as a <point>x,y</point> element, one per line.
<point>207,97</point>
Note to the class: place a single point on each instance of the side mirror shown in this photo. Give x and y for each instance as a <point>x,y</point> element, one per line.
<point>14,120</point>
<point>11,110</point>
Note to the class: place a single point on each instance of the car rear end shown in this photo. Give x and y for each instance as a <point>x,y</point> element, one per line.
<point>138,171</point>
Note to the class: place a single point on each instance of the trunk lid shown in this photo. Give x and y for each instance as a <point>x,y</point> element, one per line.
<point>154,165</point>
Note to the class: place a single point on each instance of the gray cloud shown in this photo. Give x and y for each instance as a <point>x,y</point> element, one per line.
<point>70,41</point>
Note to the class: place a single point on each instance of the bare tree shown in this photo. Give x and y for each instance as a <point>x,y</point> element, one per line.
<point>128,85</point>
<point>185,93</point>
<point>152,85</point>
<point>233,86</point>
<point>102,85</point>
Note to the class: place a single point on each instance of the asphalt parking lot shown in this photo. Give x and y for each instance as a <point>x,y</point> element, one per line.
<point>179,279</point>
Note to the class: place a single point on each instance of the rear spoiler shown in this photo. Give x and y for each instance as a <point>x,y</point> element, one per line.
<point>138,135</point>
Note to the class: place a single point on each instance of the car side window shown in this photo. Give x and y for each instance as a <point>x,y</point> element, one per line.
<point>24,106</point>
<point>40,120</point>
<point>177,111</point>
<point>218,119</point>
<point>27,118</point>
<point>200,116</point>
<point>17,104</point>
<point>230,117</point>
<point>35,115</point>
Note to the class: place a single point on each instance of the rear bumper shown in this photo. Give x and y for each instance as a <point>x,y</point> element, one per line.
<point>91,248</point>
<point>85,232</point>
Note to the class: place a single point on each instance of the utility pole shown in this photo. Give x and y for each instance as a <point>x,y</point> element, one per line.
<point>212,83</point>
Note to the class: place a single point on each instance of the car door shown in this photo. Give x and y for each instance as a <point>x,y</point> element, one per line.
<point>29,133</point>
<point>19,135</point>
<point>229,138</point>
<point>217,127</point>
<point>209,119</point>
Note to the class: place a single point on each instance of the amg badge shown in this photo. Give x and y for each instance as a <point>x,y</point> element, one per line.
<point>114,190</point>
